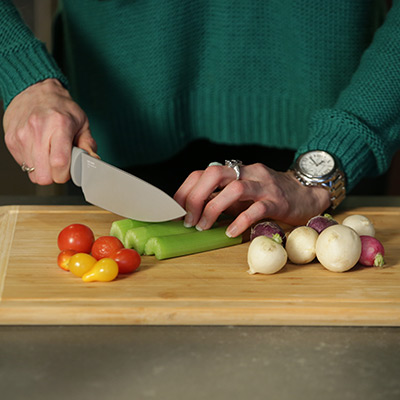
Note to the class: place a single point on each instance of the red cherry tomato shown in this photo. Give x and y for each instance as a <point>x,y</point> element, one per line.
<point>104,246</point>
<point>76,237</point>
<point>128,260</point>
<point>63,259</point>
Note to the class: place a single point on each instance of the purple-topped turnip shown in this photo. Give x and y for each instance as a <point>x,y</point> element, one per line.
<point>320,222</point>
<point>372,252</point>
<point>269,229</point>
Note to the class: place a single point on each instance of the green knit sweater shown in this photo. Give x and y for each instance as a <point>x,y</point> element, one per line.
<point>153,75</point>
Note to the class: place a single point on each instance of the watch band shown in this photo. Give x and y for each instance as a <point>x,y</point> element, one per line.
<point>335,186</point>
<point>334,183</point>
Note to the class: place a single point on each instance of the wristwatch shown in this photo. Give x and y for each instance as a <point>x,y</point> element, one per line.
<point>319,168</point>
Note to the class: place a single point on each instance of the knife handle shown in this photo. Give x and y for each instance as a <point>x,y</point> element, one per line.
<point>76,166</point>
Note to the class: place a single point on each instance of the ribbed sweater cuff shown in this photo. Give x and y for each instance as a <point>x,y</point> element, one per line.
<point>24,67</point>
<point>352,142</point>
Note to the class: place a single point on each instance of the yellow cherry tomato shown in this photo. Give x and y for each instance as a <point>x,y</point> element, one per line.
<point>105,270</point>
<point>80,263</point>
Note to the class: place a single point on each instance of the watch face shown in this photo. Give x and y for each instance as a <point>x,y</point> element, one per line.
<point>316,163</point>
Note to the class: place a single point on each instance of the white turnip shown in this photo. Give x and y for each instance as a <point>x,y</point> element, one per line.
<point>361,224</point>
<point>265,256</point>
<point>338,248</point>
<point>300,245</point>
<point>372,252</point>
<point>269,229</point>
<point>320,222</point>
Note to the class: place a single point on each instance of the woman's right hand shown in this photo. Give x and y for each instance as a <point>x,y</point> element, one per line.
<point>41,124</point>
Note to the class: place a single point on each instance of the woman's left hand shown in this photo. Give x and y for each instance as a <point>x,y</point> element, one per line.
<point>260,193</point>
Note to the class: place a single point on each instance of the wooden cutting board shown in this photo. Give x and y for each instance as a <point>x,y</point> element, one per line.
<point>209,288</point>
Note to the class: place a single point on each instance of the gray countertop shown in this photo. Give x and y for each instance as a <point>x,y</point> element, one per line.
<point>199,362</point>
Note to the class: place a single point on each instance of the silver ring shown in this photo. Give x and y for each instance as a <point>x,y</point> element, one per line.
<point>27,169</point>
<point>235,165</point>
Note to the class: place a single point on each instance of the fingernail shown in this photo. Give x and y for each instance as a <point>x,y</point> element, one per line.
<point>231,231</point>
<point>201,224</point>
<point>188,222</point>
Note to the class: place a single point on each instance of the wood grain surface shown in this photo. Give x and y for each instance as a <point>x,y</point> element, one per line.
<point>211,288</point>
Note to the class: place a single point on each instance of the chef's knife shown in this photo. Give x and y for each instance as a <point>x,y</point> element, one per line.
<point>119,192</point>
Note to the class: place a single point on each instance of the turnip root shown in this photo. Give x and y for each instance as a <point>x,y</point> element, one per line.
<point>300,245</point>
<point>361,224</point>
<point>320,222</point>
<point>269,229</point>
<point>265,256</point>
<point>372,252</point>
<point>338,248</point>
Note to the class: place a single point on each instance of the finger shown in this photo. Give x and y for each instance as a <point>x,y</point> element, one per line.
<point>233,194</point>
<point>53,149</point>
<point>17,152</point>
<point>27,169</point>
<point>212,178</point>
<point>253,214</point>
<point>19,143</point>
<point>22,154</point>
<point>186,187</point>
<point>190,182</point>
<point>60,157</point>
<point>40,161</point>
<point>183,192</point>
<point>61,148</point>
<point>85,141</point>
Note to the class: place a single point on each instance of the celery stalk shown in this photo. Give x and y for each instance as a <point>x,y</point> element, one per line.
<point>136,238</point>
<point>183,244</point>
<point>120,227</point>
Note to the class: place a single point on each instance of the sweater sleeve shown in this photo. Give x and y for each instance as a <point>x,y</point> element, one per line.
<point>24,60</point>
<point>363,128</point>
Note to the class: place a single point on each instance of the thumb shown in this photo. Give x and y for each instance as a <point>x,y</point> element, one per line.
<point>85,141</point>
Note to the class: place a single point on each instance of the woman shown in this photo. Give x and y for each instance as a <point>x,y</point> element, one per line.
<point>154,77</point>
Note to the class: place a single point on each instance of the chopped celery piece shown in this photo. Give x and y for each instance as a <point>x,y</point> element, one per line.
<point>136,238</point>
<point>183,244</point>
<point>120,227</point>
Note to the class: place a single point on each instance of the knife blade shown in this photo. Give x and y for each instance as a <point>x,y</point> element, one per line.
<point>115,190</point>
